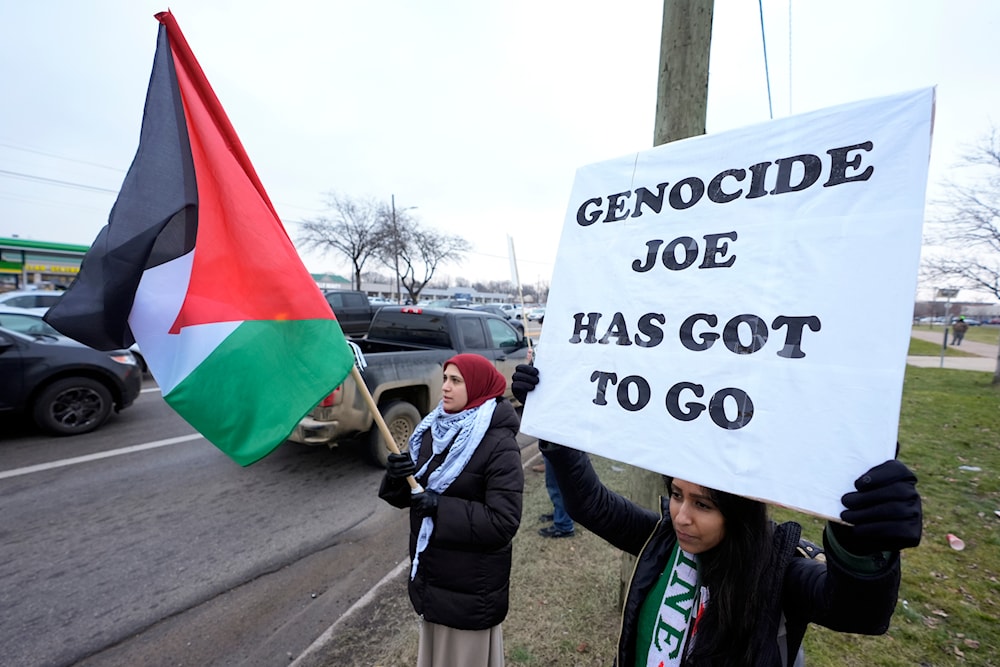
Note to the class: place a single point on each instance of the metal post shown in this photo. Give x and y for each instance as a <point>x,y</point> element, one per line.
<point>947,293</point>
<point>395,250</point>
<point>944,343</point>
<point>395,245</point>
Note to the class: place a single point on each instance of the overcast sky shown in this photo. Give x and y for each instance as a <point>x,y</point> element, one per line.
<point>477,113</point>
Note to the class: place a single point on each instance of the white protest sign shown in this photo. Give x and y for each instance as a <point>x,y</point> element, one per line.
<point>735,309</point>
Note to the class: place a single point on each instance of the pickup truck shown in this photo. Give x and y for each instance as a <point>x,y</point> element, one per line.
<point>352,309</point>
<point>404,353</point>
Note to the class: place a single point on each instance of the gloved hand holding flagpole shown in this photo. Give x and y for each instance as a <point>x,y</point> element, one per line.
<point>390,442</point>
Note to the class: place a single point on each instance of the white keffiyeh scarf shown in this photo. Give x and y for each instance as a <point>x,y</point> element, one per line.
<point>465,430</point>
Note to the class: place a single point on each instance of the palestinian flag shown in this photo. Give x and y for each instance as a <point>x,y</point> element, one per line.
<point>195,266</point>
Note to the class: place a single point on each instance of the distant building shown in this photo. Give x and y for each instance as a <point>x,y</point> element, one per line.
<point>42,264</point>
<point>331,281</point>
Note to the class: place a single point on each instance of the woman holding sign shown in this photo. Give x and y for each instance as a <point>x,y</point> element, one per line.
<point>464,453</point>
<point>716,582</point>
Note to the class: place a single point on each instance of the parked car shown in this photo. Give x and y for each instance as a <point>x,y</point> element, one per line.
<point>497,310</point>
<point>537,314</point>
<point>37,301</point>
<point>513,310</point>
<point>353,310</point>
<point>66,387</point>
<point>404,351</point>
<point>447,303</point>
<point>972,322</point>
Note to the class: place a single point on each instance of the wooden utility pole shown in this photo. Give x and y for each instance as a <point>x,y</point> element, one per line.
<point>681,103</point>
<point>682,85</point>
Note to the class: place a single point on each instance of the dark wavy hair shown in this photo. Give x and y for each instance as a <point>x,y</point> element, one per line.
<point>733,572</point>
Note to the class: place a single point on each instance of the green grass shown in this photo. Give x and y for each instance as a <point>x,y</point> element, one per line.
<point>923,348</point>
<point>565,592</point>
<point>949,604</point>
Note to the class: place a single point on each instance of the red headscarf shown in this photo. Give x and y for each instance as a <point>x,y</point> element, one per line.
<point>482,380</point>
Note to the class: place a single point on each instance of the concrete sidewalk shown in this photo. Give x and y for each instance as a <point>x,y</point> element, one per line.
<point>985,358</point>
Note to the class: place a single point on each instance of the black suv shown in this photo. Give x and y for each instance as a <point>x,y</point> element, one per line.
<point>68,388</point>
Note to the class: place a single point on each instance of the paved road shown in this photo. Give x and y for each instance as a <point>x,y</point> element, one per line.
<point>985,359</point>
<point>140,544</point>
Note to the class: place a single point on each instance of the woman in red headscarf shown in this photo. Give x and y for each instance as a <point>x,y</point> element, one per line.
<point>465,455</point>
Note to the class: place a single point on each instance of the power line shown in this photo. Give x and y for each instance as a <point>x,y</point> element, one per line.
<point>60,157</point>
<point>50,201</point>
<point>767,74</point>
<point>54,181</point>
<point>507,258</point>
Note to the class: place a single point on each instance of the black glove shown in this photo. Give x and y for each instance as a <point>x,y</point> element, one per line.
<point>523,380</point>
<point>885,511</point>
<point>424,503</point>
<point>399,466</point>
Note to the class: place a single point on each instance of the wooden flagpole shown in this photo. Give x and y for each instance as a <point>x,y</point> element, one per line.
<point>390,442</point>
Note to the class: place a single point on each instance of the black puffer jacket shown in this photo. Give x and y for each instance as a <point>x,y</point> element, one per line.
<point>859,598</point>
<point>464,575</point>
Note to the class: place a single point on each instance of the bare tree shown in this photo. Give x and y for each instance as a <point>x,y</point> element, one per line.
<point>375,277</point>
<point>966,226</point>
<point>352,229</point>
<point>542,291</point>
<point>425,252</point>
<point>969,221</point>
<point>394,235</point>
<point>412,251</point>
<point>495,286</point>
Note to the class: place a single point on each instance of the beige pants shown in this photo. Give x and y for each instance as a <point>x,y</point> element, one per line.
<point>441,646</point>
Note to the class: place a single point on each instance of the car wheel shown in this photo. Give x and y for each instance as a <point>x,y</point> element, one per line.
<point>401,418</point>
<point>72,406</point>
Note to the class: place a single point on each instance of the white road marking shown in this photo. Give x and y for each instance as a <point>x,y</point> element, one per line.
<point>27,470</point>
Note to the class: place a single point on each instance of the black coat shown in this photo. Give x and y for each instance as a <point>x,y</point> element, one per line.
<point>803,590</point>
<point>463,579</point>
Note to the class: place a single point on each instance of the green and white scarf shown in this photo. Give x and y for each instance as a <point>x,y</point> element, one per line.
<point>666,617</point>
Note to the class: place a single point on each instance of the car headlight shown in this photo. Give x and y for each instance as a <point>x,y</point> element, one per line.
<point>124,357</point>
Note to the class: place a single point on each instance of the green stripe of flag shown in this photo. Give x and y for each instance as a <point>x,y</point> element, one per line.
<point>248,395</point>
